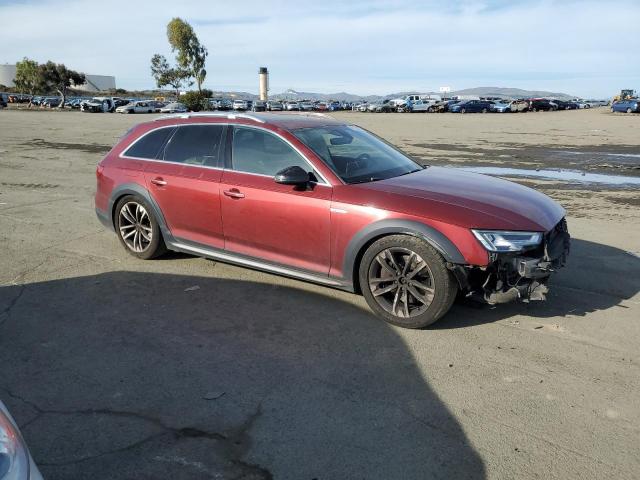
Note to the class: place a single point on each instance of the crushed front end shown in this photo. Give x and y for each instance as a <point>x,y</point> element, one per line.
<point>523,274</point>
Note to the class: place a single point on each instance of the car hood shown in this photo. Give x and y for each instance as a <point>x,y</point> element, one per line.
<point>467,199</point>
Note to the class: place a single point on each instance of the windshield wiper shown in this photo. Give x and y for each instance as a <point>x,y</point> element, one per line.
<point>366,180</point>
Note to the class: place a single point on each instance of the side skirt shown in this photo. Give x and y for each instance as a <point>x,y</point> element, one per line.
<point>185,246</point>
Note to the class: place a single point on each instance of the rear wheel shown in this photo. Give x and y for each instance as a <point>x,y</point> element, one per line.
<point>462,110</point>
<point>406,282</point>
<point>629,110</point>
<point>138,229</point>
<point>484,110</point>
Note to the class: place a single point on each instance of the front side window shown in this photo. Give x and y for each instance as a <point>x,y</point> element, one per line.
<point>195,145</point>
<point>260,152</point>
<point>149,145</point>
<point>356,155</point>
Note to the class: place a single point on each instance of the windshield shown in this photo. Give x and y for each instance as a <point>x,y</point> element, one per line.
<point>356,155</point>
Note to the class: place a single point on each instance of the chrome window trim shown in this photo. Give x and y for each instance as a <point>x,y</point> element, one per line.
<point>177,125</point>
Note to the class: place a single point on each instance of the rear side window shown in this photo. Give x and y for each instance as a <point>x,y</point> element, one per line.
<point>149,145</point>
<point>195,145</point>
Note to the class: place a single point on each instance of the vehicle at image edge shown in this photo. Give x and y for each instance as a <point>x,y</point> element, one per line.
<point>139,106</point>
<point>542,105</point>
<point>16,462</point>
<point>4,100</point>
<point>471,106</point>
<point>174,107</point>
<point>325,201</point>
<point>275,106</point>
<point>627,106</point>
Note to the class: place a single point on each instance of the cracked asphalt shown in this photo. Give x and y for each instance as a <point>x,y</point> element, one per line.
<point>184,368</point>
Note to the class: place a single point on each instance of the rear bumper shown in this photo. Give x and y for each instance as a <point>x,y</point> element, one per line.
<point>518,276</point>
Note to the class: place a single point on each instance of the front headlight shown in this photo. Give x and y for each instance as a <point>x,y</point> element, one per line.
<point>501,241</point>
<point>14,459</point>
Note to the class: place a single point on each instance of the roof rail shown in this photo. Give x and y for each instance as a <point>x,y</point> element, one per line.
<point>210,114</point>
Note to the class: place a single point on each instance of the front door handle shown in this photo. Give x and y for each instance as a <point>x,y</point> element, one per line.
<point>233,193</point>
<point>159,181</point>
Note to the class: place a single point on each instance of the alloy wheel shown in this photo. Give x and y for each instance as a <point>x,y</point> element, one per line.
<point>401,282</point>
<point>135,227</point>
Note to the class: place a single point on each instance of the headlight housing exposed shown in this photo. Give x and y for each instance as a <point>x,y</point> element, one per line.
<point>504,241</point>
<point>14,459</point>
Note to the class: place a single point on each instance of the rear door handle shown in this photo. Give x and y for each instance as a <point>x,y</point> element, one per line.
<point>159,181</point>
<point>233,193</point>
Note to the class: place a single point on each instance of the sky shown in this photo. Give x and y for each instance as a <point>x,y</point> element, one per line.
<point>585,48</point>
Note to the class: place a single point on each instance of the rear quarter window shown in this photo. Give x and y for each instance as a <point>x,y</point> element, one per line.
<point>150,144</point>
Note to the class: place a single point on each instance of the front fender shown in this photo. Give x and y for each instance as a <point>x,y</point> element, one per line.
<point>381,228</point>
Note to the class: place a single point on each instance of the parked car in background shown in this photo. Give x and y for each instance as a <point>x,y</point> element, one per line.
<point>542,105</point>
<point>501,106</point>
<point>259,106</point>
<point>293,106</point>
<point>16,462</point>
<point>306,107</point>
<point>471,106</point>
<point>4,100</point>
<point>275,106</point>
<point>98,105</point>
<point>627,106</point>
<point>294,195</point>
<point>562,105</point>
<point>335,106</point>
<point>174,107</point>
<point>140,106</point>
<point>322,106</point>
<point>420,106</point>
<point>50,102</point>
<point>385,107</point>
<point>225,104</point>
<point>240,105</point>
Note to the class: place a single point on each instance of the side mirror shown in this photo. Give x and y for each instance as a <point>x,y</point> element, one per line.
<point>292,176</point>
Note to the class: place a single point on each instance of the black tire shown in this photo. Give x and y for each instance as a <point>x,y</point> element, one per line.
<point>462,110</point>
<point>442,281</point>
<point>156,246</point>
<point>130,111</point>
<point>484,110</point>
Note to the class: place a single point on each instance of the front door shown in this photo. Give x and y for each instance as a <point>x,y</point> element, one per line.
<point>266,220</point>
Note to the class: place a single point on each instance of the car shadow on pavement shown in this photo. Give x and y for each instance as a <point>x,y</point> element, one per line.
<point>146,376</point>
<point>597,277</point>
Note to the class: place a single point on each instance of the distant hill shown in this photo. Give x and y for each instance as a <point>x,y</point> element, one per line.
<point>510,92</point>
<point>292,94</point>
<point>479,91</point>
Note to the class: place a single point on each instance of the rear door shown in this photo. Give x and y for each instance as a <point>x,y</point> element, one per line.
<point>266,220</point>
<point>184,181</point>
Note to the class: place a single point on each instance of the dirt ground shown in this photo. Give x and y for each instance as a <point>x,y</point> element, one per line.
<point>117,368</point>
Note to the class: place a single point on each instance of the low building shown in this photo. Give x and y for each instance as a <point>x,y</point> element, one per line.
<point>94,83</point>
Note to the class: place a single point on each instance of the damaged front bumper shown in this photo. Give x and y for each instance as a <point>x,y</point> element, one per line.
<point>518,276</point>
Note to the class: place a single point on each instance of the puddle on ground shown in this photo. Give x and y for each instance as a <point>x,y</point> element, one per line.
<point>571,176</point>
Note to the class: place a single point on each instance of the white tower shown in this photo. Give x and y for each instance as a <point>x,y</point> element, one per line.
<point>263,76</point>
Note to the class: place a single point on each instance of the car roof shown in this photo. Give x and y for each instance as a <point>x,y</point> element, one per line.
<point>286,121</point>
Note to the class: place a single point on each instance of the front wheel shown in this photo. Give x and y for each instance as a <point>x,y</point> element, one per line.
<point>138,229</point>
<point>629,110</point>
<point>406,282</point>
